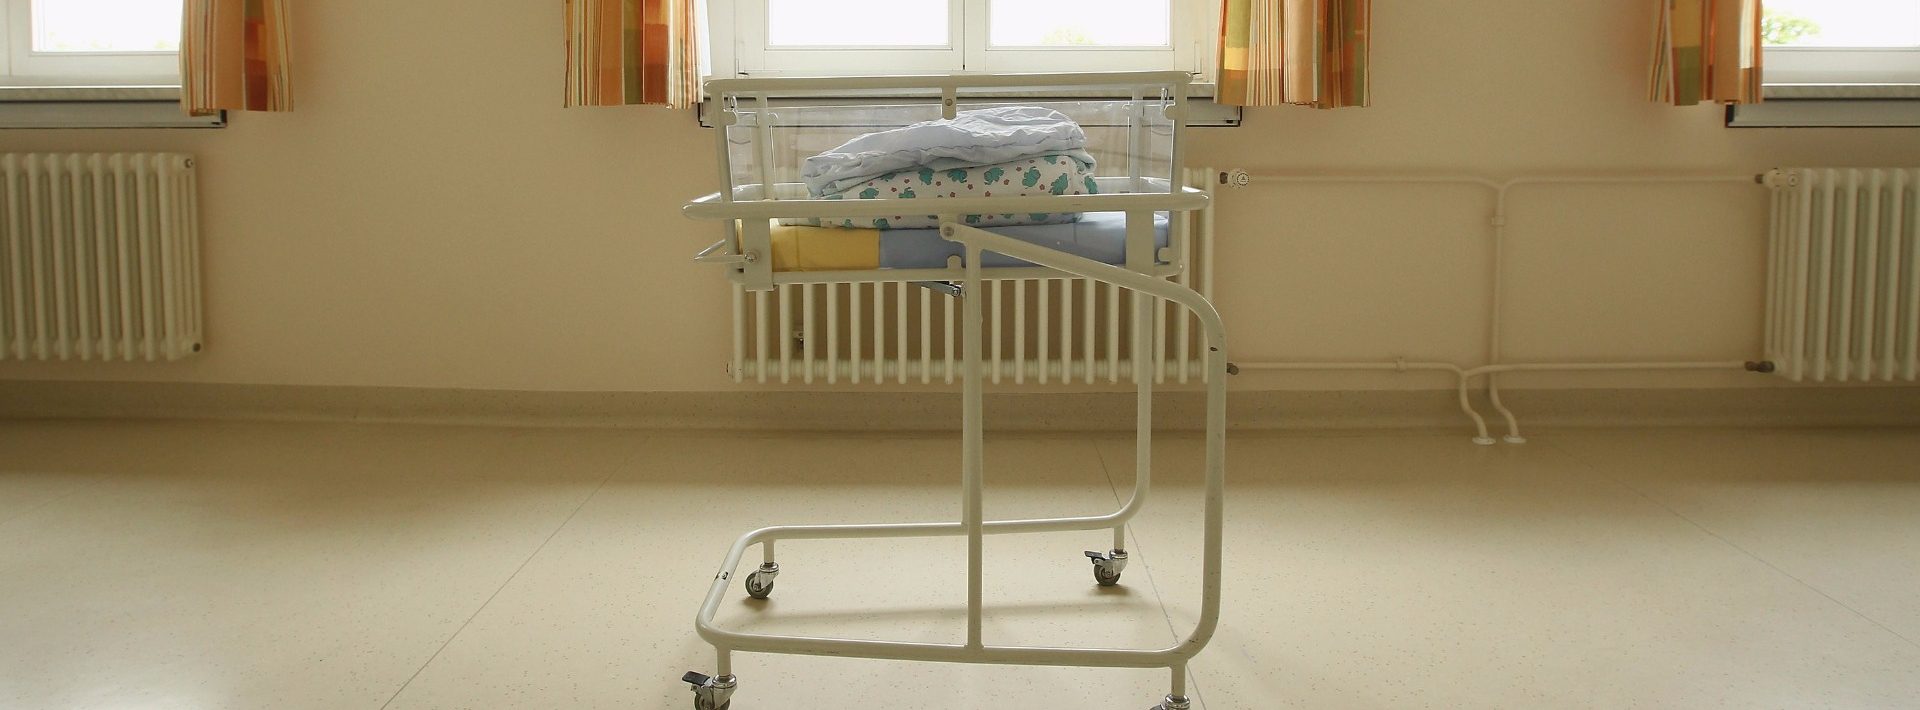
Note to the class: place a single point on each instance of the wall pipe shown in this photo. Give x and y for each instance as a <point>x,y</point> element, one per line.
<point>1497,223</point>
<point>1460,378</point>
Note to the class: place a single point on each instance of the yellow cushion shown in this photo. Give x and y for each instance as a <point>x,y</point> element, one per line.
<point>798,248</point>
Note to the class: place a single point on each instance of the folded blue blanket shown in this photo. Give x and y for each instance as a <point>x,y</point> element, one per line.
<point>1100,236</point>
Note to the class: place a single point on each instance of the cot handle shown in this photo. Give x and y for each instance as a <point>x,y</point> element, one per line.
<point>720,254</point>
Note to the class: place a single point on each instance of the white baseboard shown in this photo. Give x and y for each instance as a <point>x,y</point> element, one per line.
<point>940,411</point>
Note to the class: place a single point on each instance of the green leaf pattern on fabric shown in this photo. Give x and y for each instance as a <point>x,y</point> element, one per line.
<point>1040,175</point>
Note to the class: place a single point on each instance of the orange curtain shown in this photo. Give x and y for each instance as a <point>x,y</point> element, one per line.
<point>235,55</point>
<point>1706,50</point>
<point>632,52</point>
<point>1306,52</point>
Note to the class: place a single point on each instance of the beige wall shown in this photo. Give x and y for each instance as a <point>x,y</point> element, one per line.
<point>430,217</point>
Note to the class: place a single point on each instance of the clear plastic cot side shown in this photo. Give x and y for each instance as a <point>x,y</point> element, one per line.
<point>766,140</point>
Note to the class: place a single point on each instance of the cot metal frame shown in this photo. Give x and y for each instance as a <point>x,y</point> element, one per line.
<point>745,211</point>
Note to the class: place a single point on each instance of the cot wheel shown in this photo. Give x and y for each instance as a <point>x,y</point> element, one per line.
<point>710,693</point>
<point>757,589</point>
<point>760,583</point>
<point>1107,566</point>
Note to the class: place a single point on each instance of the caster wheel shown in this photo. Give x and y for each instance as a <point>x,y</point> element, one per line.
<point>1107,566</point>
<point>758,589</point>
<point>760,583</point>
<point>711,693</point>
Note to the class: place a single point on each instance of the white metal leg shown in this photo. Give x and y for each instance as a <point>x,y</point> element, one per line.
<point>973,524</point>
<point>1177,698</point>
<point>973,444</point>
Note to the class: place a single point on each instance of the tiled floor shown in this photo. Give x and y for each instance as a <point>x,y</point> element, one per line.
<point>202,565</point>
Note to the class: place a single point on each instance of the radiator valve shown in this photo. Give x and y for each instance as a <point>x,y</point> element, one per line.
<point>1236,178</point>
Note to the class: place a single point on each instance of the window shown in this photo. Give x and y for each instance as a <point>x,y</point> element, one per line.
<point>92,64</point>
<point>90,42</point>
<point>1842,41</point>
<point>756,37</point>
<point>1837,63</point>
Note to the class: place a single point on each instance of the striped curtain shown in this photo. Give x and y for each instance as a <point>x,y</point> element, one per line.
<point>1706,50</point>
<point>235,55</point>
<point>632,52</point>
<point>1306,52</point>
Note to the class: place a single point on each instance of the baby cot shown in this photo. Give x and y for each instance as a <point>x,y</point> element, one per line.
<point>1136,189</point>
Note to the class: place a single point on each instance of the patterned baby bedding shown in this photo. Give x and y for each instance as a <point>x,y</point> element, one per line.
<point>1055,174</point>
<point>988,136</point>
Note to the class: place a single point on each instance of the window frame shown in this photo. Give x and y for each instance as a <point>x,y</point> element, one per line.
<point>737,32</point>
<point>1784,64</point>
<point>752,28</point>
<point>20,65</point>
<point>1839,64</point>
<point>1811,86</point>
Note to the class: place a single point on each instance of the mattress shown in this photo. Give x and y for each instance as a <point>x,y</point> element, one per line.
<point>1100,236</point>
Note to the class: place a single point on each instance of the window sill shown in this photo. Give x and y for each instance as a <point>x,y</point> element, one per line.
<point>133,106</point>
<point>1831,106</point>
<point>1200,88</point>
<point>19,93</point>
<point>1202,110</point>
<point>1797,92</point>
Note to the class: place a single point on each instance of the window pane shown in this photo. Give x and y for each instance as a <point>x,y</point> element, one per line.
<point>857,23</point>
<point>1843,23</point>
<point>1080,23</point>
<point>106,25</point>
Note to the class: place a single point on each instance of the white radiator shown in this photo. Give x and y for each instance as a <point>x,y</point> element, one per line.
<point>1843,276</point>
<point>1039,331</point>
<point>99,256</point>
